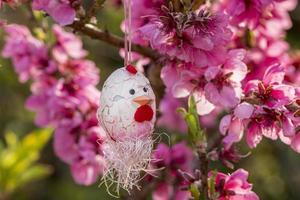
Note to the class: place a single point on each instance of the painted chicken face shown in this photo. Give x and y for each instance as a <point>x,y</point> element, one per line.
<point>127,104</point>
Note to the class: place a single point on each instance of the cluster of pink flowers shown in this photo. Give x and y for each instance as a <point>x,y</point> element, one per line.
<point>168,160</point>
<point>200,63</point>
<point>233,186</point>
<point>63,95</point>
<point>195,37</point>
<point>260,27</point>
<point>230,55</point>
<point>62,11</point>
<point>248,14</point>
<point>270,109</point>
<point>198,60</point>
<point>211,86</point>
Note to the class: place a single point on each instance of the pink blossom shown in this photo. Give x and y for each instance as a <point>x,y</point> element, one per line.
<point>267,111</point>
<point>293,71</point>
<point>232,128</point>
<point>234,186</point>
<point>195,42</point>
<point>224,86</point>
<point>261,27</point>
<point>272,124</point>
<point>295,144</point>
<point>177,157</point>
<point>87,172</point>
<point>65,146</point>
<point>253,136</point>
<point>64,95</point>
<point>62,11</point>
<point>267,51</point>
<point>67,46</point>
<point>271,91</point>
<point>90,162</point>
<point>165,192</point>
<point>211,86</point>
<point>229,156</point>
<point>29,55</point>
<point>191,81</point>
<point>170,118</point>
<point>247,13</point>
<point>140,17</point>
<point>244,111</point>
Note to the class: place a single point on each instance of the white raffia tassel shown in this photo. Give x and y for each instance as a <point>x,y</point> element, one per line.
<point>125,161</point>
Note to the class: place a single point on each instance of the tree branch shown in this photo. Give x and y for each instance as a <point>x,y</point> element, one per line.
<point>105,36</point>
<point>202,154</point>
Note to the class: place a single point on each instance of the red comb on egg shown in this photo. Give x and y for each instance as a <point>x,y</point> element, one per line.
<point>131,69</point>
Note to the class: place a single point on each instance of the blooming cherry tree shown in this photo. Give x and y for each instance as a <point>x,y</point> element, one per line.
<point>214,65</point>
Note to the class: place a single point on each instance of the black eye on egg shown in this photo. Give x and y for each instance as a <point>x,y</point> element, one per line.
<point>132,91</point>
<point>145,89</point>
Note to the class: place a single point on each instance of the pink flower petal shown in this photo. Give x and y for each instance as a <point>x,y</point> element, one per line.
<point>296,143</point>
<point>243,110</point>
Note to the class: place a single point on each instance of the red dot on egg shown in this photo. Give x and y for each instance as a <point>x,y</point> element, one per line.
<point>131,69</point>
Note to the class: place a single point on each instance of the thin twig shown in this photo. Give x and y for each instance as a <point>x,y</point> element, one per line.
<point>105,36</point>
<point>202,154</point>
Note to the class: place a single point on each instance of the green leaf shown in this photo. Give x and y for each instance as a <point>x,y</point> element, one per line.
<point>192,105</point>
<point>39,33</point>
<point>37,139</point>
<point>182,112</point>
<point>211,184</point>
<point>11,139</point>
<point>195,191</point>
<point>8,159</point>
<point>191,118</point>
<point>36,172</point>
<point>193,125</point>
<point>18,159</point>
<point>39,15</point>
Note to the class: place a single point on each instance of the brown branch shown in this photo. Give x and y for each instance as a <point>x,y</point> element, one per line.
<point>202,154</point>
<point>153,74</point>
<point>105,36</point>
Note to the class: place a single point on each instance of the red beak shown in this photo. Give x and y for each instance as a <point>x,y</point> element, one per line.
<point>142,100</point>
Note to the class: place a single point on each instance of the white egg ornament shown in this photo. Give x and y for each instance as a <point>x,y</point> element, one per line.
<point>127,113</point>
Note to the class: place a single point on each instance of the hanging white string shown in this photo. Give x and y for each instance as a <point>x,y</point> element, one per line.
<point>127,37</point>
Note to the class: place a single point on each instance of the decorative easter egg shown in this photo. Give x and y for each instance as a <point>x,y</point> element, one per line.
<point>127,113</point>
<point>127,105</point>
